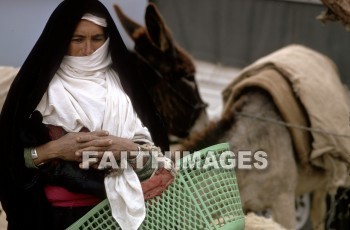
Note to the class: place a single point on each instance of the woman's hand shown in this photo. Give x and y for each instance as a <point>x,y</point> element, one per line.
<point>117,146</point>
<point>66,147</point>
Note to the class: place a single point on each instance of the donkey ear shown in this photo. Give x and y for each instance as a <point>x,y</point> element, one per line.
<point>157,29</point>
<point>129,25</point>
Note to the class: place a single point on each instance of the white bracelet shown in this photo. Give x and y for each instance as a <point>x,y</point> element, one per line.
<point>34,153</point>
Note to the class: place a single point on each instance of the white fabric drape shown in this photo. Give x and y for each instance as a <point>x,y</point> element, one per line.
<point>86,92</point>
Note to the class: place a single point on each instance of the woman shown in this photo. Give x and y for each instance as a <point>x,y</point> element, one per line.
<point>53,113</point>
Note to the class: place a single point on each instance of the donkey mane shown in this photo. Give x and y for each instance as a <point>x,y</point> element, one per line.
<point>208,136</point>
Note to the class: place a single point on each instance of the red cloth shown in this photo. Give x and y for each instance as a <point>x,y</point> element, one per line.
<point>155,185</point>
<point>61,197</point>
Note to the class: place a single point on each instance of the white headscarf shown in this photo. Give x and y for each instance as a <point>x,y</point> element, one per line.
<point>86,92</point>
<point>97,20</point>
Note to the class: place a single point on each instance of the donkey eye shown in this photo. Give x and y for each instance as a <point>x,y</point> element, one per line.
<point>190,77</point>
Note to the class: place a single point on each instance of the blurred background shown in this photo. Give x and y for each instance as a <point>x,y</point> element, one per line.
<point>237,32</point>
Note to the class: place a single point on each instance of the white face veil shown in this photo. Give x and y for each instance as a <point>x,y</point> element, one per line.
<point>86,92</point>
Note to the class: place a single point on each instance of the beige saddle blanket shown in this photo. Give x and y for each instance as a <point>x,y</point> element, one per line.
<point>307,90</point>
<point>7,74</point>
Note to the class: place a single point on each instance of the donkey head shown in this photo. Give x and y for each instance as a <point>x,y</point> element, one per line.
<point>172,85</point>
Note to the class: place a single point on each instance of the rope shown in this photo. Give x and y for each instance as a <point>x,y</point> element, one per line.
<point>274,121</point>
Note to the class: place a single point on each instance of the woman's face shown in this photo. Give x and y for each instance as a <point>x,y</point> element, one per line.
<point>87,38</point>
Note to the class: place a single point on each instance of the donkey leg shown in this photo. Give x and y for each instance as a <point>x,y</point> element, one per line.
<point>283,210</point>
<point>318,209</point>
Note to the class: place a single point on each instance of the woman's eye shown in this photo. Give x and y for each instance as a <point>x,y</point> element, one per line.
<point>77,40</point>
<point>98,38</point>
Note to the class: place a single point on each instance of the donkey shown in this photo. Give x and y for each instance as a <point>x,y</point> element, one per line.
<point>178,101</point>
<point>169,68</point>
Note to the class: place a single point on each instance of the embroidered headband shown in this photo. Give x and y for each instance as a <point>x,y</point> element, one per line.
<point>97,20</point>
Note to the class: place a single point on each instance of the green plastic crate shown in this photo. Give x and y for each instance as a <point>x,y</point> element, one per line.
<point>198,199</point>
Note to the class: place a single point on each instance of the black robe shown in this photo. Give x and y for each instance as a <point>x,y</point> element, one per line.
<point>21,191</point>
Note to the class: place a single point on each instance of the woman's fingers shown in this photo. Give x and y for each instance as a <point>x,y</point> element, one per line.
<point>92,149</point>
<point>88,141</point>
<point>90,136</point>
<point>66,147</point>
